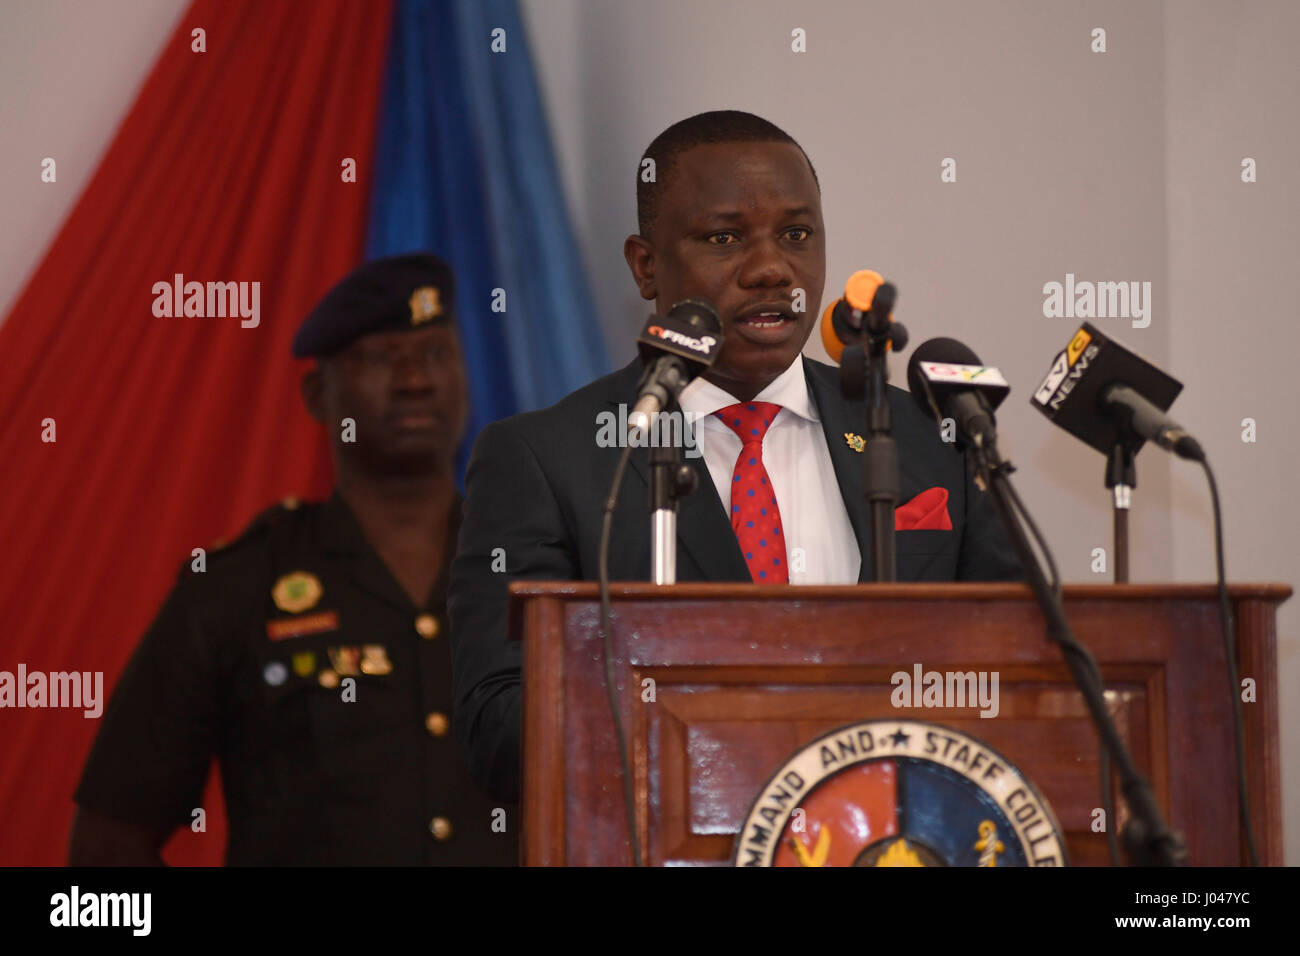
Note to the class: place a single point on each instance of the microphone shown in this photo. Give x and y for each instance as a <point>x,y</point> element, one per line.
<point>947,380</point>
<point>675,348</point>
<point>867,305</point>
<point>1150,422</point>
<point>1095,373</point>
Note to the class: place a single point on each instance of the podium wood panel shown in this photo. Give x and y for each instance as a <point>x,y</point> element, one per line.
<point>744,676</point>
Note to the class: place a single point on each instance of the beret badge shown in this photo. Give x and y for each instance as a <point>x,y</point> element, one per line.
<point>425,304</point>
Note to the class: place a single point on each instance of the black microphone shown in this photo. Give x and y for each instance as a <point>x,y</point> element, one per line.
<point>1106,395</point>
<point>948,380</point>
<point>1150,422</point>
<point>675,348</point>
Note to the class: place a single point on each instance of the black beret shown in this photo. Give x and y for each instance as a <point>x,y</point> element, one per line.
<point>383,295</point>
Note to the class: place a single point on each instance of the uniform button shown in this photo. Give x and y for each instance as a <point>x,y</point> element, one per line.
<point>436,724</point>
<point>440,827</point>
<point>426,625</point>
<point>290,503</point>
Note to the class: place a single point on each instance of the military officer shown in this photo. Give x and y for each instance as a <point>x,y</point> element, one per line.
<point>311,655</point>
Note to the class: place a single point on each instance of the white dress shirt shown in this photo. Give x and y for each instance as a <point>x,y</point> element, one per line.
<point>820,545</point>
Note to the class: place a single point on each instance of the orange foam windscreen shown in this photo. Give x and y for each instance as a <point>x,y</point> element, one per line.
<point>859,291</point>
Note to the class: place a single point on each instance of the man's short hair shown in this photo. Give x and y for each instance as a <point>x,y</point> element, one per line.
<point>718,126</point>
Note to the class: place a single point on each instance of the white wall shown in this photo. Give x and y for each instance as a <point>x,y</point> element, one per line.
<point>1123,165</point>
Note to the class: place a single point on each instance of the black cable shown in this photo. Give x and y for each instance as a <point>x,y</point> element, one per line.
<point>1107,792</point>
<point>1039,540</point>
<point>605,530</point>
<point>1148,838</point>
<point>1067,639</point>
<point>1108,805</point>
<point>1107,801</point>
<point>1001,473</point>
<point>1064,638</point>
<point>1103,758</point>
<point>1230,652</point>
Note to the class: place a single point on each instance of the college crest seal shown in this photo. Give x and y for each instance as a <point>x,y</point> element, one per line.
<point>899,793</point>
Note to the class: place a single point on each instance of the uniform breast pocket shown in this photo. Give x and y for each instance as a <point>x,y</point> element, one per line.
<point>324,713</point>
<point>359,712</point>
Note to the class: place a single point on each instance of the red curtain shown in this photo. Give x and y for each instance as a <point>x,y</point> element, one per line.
<point>171,432</point>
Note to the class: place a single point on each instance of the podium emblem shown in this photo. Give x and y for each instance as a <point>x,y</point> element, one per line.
<point>899,793</point>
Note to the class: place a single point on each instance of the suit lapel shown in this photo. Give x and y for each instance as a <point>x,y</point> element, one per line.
<point>839,417</point>
<point>703,530</point>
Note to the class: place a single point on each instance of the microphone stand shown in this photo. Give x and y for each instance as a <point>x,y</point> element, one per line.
<point>1148,841</point>
<point>1121,479</point>
<point>670,480</point>
<point>865,367</point>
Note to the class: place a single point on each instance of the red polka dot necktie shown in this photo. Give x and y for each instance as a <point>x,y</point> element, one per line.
<point>754,515</point>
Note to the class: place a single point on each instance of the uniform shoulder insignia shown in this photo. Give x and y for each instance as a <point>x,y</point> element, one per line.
<point>260,525</point>
<point>233,552</point>
<point>253,529</point>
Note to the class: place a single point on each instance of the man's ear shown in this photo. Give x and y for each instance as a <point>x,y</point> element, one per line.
<point>312,388</point>
<point>640,256</point>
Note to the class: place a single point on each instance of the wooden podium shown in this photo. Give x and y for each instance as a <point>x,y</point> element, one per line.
<point>743,676</point>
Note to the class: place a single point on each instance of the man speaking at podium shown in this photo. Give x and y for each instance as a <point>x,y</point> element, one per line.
<point>732,217</point>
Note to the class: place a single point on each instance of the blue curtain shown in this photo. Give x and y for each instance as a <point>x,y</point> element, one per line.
<point>464,169</point>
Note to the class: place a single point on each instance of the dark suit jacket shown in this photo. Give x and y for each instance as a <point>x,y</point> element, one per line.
<point>536,487</point>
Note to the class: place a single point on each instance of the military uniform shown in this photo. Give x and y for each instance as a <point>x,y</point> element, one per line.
<point>297,659</point>
<point>248,660</point>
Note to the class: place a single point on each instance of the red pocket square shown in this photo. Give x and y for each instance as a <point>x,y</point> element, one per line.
<point>928,511</point>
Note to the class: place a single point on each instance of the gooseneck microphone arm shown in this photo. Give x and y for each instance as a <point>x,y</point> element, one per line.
<point>1148,841</point>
